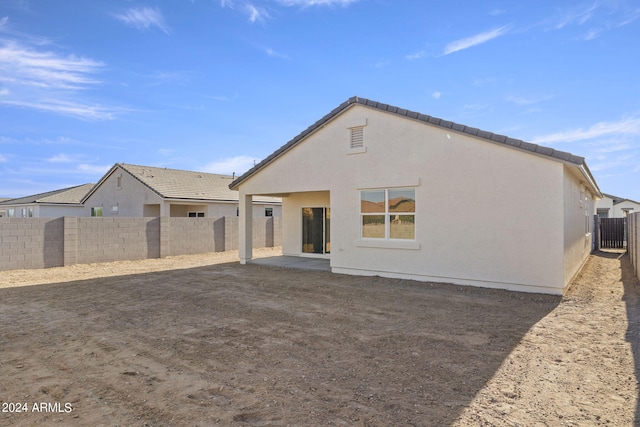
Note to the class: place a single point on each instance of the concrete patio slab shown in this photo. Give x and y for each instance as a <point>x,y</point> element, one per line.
<point>294,262</point>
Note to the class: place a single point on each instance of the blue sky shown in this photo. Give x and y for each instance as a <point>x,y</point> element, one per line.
<point>214,85</point>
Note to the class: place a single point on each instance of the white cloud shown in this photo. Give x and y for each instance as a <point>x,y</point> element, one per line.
<point>256,13</point>
<point>35,76</point>
<point>416,55</point>
<point>305,3</point>
<point>3,158</point>
<point>60,158</point>
<point>144,18</point>
<point>24,65</point>
<point>475,40</point>
<point>630,126</point>
<point>97,169</point>
<point>3,21</point>
<point>228,166</point>
<point>67,108</point>
<point>275,54</point>
<point>436,95</point>
<point>528,101</point>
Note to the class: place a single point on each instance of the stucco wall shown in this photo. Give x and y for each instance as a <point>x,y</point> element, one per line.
<point>618,210</point>
<point>486,215</point>
<point>130,197</point>
<point>579,209</point>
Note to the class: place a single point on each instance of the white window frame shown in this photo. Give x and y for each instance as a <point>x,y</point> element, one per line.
<point>387,216</point>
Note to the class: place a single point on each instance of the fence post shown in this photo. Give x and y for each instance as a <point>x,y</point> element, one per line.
<point>70,240</point>
<point>595,247</point>
<point>165,239</point>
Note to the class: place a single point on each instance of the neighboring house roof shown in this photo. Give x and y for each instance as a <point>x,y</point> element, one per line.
<point>617,199</point>
<point>65,196</point>
<point>492,137</point>
<point>181,184</point>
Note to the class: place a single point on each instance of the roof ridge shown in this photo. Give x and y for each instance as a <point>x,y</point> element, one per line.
<point>124,165</point>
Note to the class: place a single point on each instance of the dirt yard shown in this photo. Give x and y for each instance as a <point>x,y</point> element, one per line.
<point>203,341</point>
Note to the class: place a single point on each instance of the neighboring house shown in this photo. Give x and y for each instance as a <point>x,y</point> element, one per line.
<point>380,190</point>
<point>136,191</point>
<point>616,207</point>
<point>2,210</point>
<point>53,204</point>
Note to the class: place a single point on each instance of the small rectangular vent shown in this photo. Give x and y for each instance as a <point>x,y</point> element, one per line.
<point>357,137</point>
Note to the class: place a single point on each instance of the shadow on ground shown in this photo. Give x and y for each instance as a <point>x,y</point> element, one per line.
<point>257,345</point>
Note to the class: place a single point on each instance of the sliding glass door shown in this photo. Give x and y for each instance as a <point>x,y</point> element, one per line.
<point>316,224</point>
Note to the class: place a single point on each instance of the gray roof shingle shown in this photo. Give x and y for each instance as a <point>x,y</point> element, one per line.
<point>71,195</point>
<point>187,185</point>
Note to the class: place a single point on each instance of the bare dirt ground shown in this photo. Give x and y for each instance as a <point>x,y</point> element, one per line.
<point>202,341</point>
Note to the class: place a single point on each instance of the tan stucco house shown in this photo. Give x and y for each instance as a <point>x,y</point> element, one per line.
<point>143,191</point>
<point>52,204</point>
<point>380,190</point>
<point>611,206</point>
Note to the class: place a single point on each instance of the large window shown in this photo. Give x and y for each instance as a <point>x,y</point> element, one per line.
<point>97,211</point>
<point>388,214</point>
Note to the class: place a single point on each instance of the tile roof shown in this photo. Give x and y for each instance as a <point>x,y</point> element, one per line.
<point>617,199</point>
<point>493,137</point>
<point>182,184</point>
<point>71,195</point>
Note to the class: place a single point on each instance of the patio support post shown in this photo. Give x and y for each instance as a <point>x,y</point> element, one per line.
<point>245,244</point>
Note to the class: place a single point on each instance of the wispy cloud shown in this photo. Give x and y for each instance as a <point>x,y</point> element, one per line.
<point>275,54</point>
<point>94,169</point>
<point>60,158</point>
<point>228,166</point>
<point>522,101</point>
<point>25,65</point>
<point>416,55</point>
<point>625,127</point>
<point>475,40</point>
<point>144,18</point>
<point>576,16</point>
<point>306,3</point>
<point>258,13</point>
<point>67,108</point>
<point>35,76</point>
<point>436,95</point>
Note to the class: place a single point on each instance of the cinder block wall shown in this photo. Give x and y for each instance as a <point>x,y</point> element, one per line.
<point>116,239</point>
<point>196,235</point>
<point>633,241</point>
<point>27,243</point>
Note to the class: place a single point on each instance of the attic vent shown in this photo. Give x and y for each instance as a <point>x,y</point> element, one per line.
<point>357,137</point>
